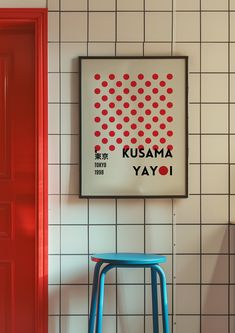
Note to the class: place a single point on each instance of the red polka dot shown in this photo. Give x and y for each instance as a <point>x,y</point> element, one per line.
<point>119,98</point>
<point>148,98</point>
<point>148,140</point>
<point>148,112</point>
<point>155,90</point>
<point>162,83</point>
<point>162,97</point>
<point>133,140</point>
<point>97,105</point>
<point>133,126</point>
<point>112,105</point>
<point>97,119</point>
<point>169,119</point>
<point>169,76</point>
<point>126,119</point>
<point>148,126</point>
<point>97,76</point>
<point>133,112</point>
<point>140,90</point>
<point>169,90</point>
<point>133,83</point>
<point>140,147</point>
<point>169,133</point>
<point>141,76</point>
<point>155,133</point>
<point>97,91</point>
<point>97,133</point>
<point>111,91</point>
<point>147,83</point>
<point>104,126</point>
<point>126,91</point>
<point>155,119</point>
<point>126,133</point>
<point>163,170</point>
<point>111,119</point>
<point>141,105</point>
<point>119,126</point>
<point>111,76</point>
<point>141,133</point>
<point>97,147</point>
<point>126,76</point>
<point>126,147</point>
<point>133,98</point>
<point>104,112</point>
<point>111,133</point>
<point>104,140</point>
<point>169,105</point>
<point>170,147</point>
<point>140,119</point>
<point>126,105</point>
<point>155,76</point>
<point>155,147</point>
<point>119,140</point>
<point>119,112</point>
<point>155,105</point>
<point>162,140</point>
<point>104,98</point>
<point>104,83</point>
<point>118,83</point>
<point>162,126</point>
<point>111,147</point>
<point>162,112</point>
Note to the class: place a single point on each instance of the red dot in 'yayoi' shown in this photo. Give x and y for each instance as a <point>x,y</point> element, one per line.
<point>133,140</point>
<point>169,133</point>
<point>112,105</point>
<point>126,76</point>
<point>97,76</point>
<point>133,112</point>
<point>119,126</point>
<point>155,119</point>
<point>148,140</point>
<point>162,112</point>
<point>97,105</point>
<point>162,97</point>
<point>126,91</point>
<point>104,98</point>
<point>104,140</point>
<point>119,83</point>
<point>133,83</point>
<point>104,112</point>
<point>170,147</point>
<point>155,90</point>
<point>169,105</point>
<point>140,105</point>
<point>111,76</point>
<point>162,126</point>
<point>169,76</point>
<point>169,119</point>
<point>97,119</point>
<point>126,147</point>
<point>147,83</point>
<point>104,126</point>
<point>140,76</point>
<point>111,91</point>
<point>155,105</point>
<point>111,119</point>
<point>119,112</point>
<point>155,133</point>
<point>169,90</point>
<point>141,133</point>
<point>126,105</point>
<point>104,83</point>
<point>97,147</point>
<point>119,98</point>
<point>163,170</point>
<point>155,76</point>
<point>140,147</point>
<point>148,126</point>
<point>140,90</point>
<point>148,112</point>
<point>119,140</point>
<point>97,91</point>
<point>111,147</point>
<point>112,133</point>
<point>155,147</point>
<point>162,140</point>
<point>148,98</point>
<point>97,133</point>
<point>140,119</point>
<point>133,98</point>
<point>162,83</point>
<point>126,119</point>
<point>133,126</point>
<point>126,133</point>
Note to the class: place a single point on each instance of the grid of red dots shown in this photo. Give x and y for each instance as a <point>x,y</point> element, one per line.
<point>133,111</point>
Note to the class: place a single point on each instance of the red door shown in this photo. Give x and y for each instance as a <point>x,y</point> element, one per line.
<point>19,163</point>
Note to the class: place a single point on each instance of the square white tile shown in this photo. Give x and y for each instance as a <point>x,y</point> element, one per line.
<point>74,269</point>
<point>130,27</point>
<point>102,239</point>
<point>74,299</point>
<point>153,49</point>
<point>54,324</point>
<point>130,299</point>
<point>188,299</point>
<point>74,210</point>
<point>214,239</point>
<point>130,238</point>
<point>214,57</point>
<point>215,269</point>
<point>69,119</point>
<point>187,27</point>
<point>69,88</point>
<point>73,27</point>
<point>158,27</point>
<point>69,179</point>
<point>102,211</point>
<point>53,88</point>
<point>53,209</point>
<point>130,5</point>
<point>23,4</point>
<point>130,276</point>
<point>69,55</point>
<point>194,148</point>
<point>148,301</point>
<point>130,211</point>
<point>214,26</point>
<point>214,299</point>
<point>184,322</point>
<point>194,119</point>
<point>53,300</point>
<point>187,210</point>
<point>187,5</point>
<point>53,269</point>
<point>232,179</point>
<point>130,324</point>
<point>53,119</point>
<point>187,239</point>
<point>53,27</point>
<point>187,269</point>
<point>69,324</point>
<point>194,179</point>
<point>99,49</point>
<point>102,5</point>
<point>53,179</point>
<point>214,118</point>
<point>232,86</point>
<point>214,209</point>
<point>232,57</point>
<point>214,88</point>
<point>53,239</point>
<point>214,5</point>
<point>53,5</point>
<point>232,268</point>
<point>53,57</point>
<point>158,211</point>
<point>74,239</point>
<point>101,27</point>
<point>194,88</point>
<point>192,50</point>
<point>215,324</point>
<point>158,5</point>
<point>73,5</point>
<point>129,49</point>
<point>69,149</point>
<point>232,209</point>
<point>214,179</point>
<point>209,146</point>
<point>53,149</point>
<point>158,239</point>
<point>232,26</point>
<point>110,300</point>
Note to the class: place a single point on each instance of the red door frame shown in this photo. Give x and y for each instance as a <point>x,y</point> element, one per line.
<point>38,18</point>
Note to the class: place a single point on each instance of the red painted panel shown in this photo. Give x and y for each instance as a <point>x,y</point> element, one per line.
<point>7,315</point>
<point>5,220</point>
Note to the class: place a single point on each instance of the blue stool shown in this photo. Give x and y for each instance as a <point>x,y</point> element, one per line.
<point>124,260</point>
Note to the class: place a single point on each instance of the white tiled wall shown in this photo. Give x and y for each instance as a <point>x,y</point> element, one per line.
<point>201,273</point>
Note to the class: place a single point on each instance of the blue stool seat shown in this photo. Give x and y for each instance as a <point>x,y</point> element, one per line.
<point>125,260</point>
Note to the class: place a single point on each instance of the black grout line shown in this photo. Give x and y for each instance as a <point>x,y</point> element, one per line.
<point>200,120</point>
<point>229,160</point>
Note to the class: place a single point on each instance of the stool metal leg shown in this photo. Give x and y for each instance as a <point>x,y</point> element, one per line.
<point>94,298</point>
<point>165,319</point>
<point>154,301</point>
<point>100,301</point>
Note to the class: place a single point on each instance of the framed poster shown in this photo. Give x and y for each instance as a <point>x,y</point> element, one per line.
<point>133,126</point>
